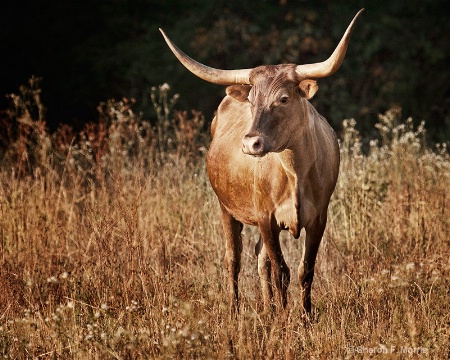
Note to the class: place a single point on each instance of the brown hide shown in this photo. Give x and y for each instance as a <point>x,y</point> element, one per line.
<point>294,181</point>
<point>287,186</point>
<point>273,163</point>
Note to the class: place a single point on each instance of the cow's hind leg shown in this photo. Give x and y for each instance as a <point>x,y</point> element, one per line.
<point>264,270</point>
<point>280,271</point>
<point>233,249</point>
<point>314,235</point>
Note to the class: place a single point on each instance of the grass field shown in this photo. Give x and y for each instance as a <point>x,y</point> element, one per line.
<point>111,248</point>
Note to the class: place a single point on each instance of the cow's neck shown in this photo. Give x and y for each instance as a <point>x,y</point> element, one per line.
<point>299,163</point>
<point>300,156</point>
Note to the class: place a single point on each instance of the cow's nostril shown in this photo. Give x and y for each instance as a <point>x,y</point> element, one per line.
<point>257,145</point>
<point>253,145</point>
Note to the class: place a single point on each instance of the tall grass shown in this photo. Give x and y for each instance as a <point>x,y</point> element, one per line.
<point>111,245</point>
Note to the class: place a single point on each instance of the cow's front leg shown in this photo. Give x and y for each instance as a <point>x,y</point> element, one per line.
<point>264,270</point>
<point>306,269</point>
<point>233,249</point>
<point>280,272</point>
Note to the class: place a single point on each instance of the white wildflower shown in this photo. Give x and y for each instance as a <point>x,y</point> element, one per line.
<point>164,87</point>
<point>52,280</point>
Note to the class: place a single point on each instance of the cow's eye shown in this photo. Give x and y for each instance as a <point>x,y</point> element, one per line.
<point>284,99</point>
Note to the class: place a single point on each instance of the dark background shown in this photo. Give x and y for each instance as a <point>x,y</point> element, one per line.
<point>89,51</point>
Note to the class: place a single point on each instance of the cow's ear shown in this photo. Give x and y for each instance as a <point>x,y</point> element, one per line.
<point>308,88</point>
<point>239,92</point>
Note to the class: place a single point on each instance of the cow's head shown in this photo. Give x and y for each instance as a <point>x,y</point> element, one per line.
<point>276,100</point>
<point>274,92</point>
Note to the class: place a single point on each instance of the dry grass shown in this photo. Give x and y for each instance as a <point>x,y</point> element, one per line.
<point>111,247</point>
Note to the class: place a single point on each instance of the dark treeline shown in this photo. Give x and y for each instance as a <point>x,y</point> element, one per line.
<point>89,51</point>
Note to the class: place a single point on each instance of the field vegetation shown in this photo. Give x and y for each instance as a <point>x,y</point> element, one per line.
<point>111,245</point>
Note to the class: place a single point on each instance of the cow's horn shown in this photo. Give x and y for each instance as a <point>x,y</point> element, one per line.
<point>329,66</point>
<point>216,76</point>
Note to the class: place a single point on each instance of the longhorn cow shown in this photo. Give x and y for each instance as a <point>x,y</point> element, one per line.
<point>273,163</point>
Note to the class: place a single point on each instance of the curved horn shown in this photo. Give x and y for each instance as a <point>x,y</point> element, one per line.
<point>329,66</point>
<point>216,76</point>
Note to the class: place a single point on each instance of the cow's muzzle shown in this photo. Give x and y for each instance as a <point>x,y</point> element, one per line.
<point>253,145</point>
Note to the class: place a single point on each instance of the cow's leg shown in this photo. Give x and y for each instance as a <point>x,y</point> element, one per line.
<point>264,273</point>
<point>233,249</point>
<point>314,235</point>
<point>280,271</point>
